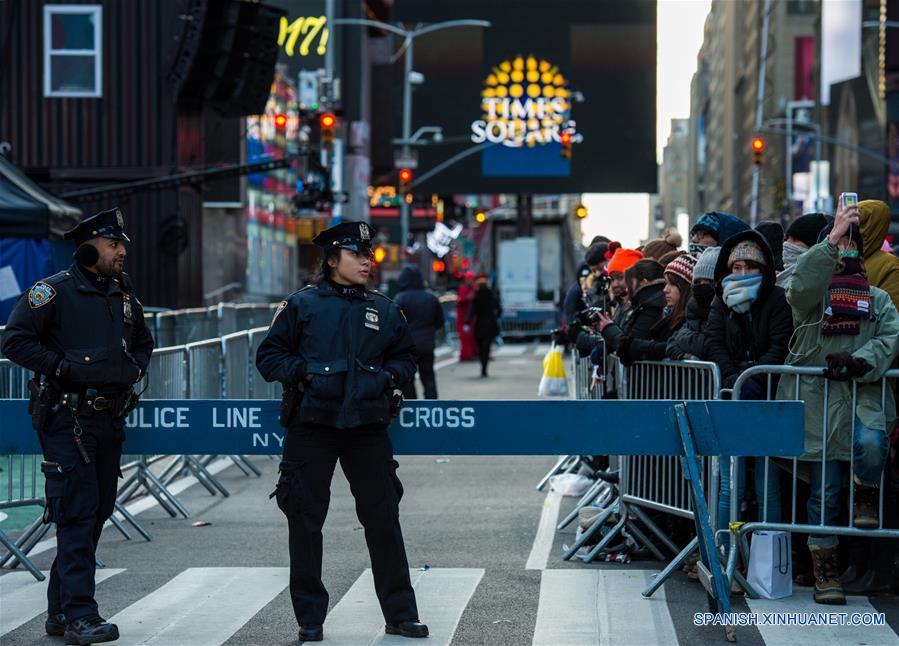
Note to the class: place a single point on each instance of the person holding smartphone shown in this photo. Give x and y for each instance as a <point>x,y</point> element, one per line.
<point>842,322</point>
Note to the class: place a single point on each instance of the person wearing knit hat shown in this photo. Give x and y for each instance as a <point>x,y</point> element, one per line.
<point>688,342</point>
<point>623,260</point>
<point>705,265</point>
<point>682,267</point>
<point>805,229</point>
<point>713,229</point>
<point>750,252</point>
<point>750,323</point>
<point>655,249</point>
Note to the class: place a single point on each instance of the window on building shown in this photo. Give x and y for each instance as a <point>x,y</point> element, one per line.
<point>802,7</point>
<point>73,54</point>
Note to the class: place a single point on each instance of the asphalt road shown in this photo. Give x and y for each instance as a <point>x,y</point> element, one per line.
<point>470,526</point>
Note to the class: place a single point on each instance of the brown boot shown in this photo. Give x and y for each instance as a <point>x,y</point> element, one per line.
<point>827,572</point>
<point>866,508</point>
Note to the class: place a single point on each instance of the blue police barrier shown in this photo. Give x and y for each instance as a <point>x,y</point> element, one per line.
<point>606,427</point>
<point>571,427</point>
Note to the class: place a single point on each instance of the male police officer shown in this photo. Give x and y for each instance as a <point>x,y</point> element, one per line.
<point>83,331</point>
<point>340,351</point>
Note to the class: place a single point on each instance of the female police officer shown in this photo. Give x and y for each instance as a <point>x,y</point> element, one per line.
<point>343,350</point>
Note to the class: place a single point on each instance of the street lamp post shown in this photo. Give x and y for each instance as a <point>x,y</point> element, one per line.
<point>409,35</point>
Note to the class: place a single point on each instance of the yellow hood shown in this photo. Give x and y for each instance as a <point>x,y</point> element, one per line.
<point>874,221</point>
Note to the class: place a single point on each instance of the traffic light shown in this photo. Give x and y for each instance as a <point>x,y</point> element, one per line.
<point>758,151</point>
<point>580,211</point>
<point>280,121</point>
<point>327,122</point>
<point>438,266</point>
<point>405,176</point>
<point>480,217</point>
<point>380,254</point>
<point>565,139</point>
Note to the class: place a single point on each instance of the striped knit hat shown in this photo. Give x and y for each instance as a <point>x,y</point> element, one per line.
<point>682,267</point>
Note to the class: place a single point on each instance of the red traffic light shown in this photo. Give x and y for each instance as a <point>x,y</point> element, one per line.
<point>758,144</point>
<point>438,266</point>
<point>327,120</point>
<point>565,138</point>
<point>405,175</point>
<point>280,120</point>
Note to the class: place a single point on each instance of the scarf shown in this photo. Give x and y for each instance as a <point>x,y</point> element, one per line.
<point>791,253</point>
<point>740,292</point>
<point>850,299</point>
<point>696,249</point>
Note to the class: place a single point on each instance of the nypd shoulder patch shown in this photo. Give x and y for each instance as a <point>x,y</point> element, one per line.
<point>40,295</point>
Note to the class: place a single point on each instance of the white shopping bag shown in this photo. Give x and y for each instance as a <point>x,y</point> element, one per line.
<point>771,564</point>
<point>570,484</point>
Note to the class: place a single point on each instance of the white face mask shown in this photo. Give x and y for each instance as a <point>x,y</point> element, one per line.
<point>791,253</point>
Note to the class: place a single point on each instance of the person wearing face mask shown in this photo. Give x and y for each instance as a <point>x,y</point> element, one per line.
<point>749,324</point>
<point>801,235</point>
<point>852,327</point>
<point>689,341</point>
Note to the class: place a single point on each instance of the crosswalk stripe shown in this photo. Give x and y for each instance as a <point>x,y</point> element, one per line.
<point>590,607</point>
<point>541,349</point>
<point>201,606</point>
<point>546,533</point>
<point>441,594</point>
<point>24,597</point>
<point>803,602</point>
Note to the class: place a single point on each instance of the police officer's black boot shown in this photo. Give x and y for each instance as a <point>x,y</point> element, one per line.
<point>411,628</point>
<point>55,626</point>
<point>311,633</point>
<point>91,629</point>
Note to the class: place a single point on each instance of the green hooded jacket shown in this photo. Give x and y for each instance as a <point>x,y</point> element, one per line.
<point>877,343</point>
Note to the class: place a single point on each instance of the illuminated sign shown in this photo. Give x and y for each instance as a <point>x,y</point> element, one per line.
<point>310,27</point>
<point>525,101</point>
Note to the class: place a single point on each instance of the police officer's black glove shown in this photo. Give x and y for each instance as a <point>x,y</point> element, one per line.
<point>842,366</point>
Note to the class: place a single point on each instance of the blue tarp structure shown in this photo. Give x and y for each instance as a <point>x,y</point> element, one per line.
<point>31,226</point>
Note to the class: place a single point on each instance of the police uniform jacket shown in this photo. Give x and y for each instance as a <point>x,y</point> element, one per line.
<point>347,351</point>
<point>64,327</point>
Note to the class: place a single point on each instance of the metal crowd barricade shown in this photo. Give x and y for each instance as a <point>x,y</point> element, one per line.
<point>216,368</point>
<point>807,378</point>
<point>648,482</point>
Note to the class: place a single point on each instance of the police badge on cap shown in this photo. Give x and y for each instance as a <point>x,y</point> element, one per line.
<point>355,236</point>
<point>105,224</point>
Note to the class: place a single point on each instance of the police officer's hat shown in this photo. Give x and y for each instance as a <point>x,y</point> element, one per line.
<point>105,224</point>
<point>355,236</point>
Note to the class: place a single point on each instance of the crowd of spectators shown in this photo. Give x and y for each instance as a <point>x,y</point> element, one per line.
<point>822,293</point>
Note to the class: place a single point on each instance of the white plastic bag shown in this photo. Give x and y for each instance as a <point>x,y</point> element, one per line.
<point>771,564</point>
<point>570,484</point>
<point>554,382</point>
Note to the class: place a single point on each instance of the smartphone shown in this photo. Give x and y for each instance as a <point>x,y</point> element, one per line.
<point>849,199</point>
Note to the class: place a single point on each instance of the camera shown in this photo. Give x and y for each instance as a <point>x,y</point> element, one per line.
<point>588,316</point>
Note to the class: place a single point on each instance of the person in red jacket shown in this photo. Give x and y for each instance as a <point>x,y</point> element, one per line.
<point>468,349</point>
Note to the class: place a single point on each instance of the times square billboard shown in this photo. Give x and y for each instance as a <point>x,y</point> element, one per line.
<point>582,70</point>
